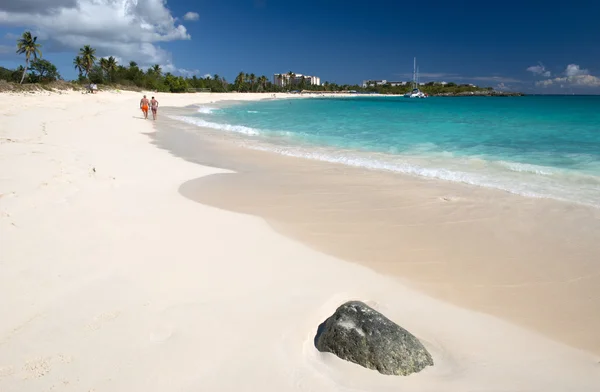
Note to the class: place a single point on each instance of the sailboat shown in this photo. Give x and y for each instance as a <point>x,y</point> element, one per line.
<point>416,93</point>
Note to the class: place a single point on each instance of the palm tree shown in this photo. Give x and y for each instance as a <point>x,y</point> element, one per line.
<point>157,70</point>
<point>262,81</point>
<point>88,57</point>
<point>111,67</point>
<point>78,63</point>
<point>239,80</point>
<point>103,65</point>
<point>27,45</point>
<point>291,78</point>
<point>252,79</point>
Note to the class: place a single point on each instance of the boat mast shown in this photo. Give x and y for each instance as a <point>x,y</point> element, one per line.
<point>415,73</point>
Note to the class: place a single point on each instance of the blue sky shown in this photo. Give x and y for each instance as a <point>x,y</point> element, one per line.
<point>527,45</point>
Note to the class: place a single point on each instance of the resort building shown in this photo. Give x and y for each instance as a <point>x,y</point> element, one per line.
<point>283,80</point>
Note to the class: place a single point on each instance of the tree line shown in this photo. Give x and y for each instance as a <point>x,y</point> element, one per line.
<point>108,71</point>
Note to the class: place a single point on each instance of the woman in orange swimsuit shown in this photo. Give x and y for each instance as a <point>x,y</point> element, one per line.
<point>144,106</point>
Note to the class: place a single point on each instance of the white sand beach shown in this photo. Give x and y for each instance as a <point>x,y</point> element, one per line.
<point>111,280</point>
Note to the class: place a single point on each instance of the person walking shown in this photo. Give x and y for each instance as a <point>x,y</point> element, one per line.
<point>154,106</point>
<point>144,106</point>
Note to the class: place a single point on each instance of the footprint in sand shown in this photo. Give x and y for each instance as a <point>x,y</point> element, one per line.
<point>449,198</point>
<point>37,368</point>
<point>101,319</point>
<point>161,333</point>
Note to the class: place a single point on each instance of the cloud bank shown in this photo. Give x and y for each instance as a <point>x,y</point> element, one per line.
<point>456,77</point>
<point>574,76</point>
<point>129,29</point>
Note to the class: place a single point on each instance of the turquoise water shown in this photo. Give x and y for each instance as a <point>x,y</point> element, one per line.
<point>538,146</point>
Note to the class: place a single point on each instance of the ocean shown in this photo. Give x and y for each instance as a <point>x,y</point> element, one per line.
<point>535,146</point>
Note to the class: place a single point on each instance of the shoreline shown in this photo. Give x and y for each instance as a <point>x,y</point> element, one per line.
<point>113,281</point>
<point>539,234</point>
<point>503,174</point>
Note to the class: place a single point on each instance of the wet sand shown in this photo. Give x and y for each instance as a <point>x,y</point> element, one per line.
<point>533,262</point>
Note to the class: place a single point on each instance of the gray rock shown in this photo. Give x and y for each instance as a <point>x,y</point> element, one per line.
<point>360,334</point>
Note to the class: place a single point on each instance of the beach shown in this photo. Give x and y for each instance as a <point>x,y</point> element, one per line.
<point>130,261</point>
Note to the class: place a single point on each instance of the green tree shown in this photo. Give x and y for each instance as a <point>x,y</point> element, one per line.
<point>252,79</point>
<point>176,84</point>
<point>291,76</point>
<point>302,84</point>
<point>78,64</point>
<point>96,74</point>
<point>262,82</point>
<point>104,67</point>
<point>44,71</point>
<point>157,70</point>
<point>5,74</point>
<point>28,45</point>
<point>240,80</point>
<point>111,67</point>
<point>88,58</point>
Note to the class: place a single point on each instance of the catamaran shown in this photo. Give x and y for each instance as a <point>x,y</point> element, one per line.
<point>416,93</point>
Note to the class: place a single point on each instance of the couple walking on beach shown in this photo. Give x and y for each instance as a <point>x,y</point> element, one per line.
<point>144,104</point>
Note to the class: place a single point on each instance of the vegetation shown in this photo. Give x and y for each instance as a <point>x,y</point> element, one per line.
<point>28,46</point>
<point>107,71</point>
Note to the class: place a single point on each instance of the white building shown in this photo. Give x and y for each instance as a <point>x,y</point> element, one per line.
<point>372,83</point>
<point>283,80</point>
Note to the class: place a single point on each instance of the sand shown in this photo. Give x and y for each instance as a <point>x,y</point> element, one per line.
<point>531,261</point>
<point>112,280</point>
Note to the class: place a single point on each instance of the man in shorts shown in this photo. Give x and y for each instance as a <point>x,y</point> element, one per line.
<point>144,106</point>
<point>154,107</point>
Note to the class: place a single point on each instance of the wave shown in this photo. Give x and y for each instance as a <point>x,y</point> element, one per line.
<point>518,178</point>
<point>496,180</point>
<point>528,168</point>
<point>225,127</point>
<point>205,110</point>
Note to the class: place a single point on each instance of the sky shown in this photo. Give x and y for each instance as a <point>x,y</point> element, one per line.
<point>528,45</point>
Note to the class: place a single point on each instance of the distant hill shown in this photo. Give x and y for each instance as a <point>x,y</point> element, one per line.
<point>6,74</point>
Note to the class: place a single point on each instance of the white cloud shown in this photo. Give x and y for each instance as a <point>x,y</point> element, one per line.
<point>192,16</point>
<point>502,87</point>
<point>574,77</point>
<point>575,70</point>
<point>129,29</point>
<point>11,36</point>
<point>207,76</point>
<point>571,81</point>
<point>188,73</point>
<point>539,70</point>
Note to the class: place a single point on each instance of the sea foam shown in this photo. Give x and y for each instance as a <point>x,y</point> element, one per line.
<point>205,110</point>
<point>224,127</point>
